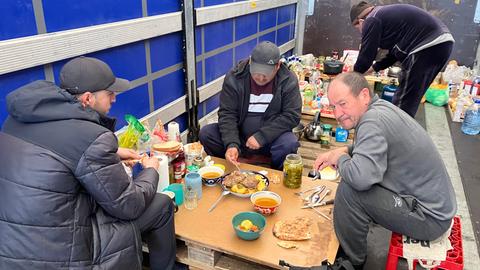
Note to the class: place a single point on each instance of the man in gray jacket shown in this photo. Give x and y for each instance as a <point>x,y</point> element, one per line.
<point>392,175</point>
<point>66,201</point>
<point>260,104</point>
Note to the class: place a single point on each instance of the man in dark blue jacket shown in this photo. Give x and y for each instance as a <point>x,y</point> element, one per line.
<point>412,36</point>
<point>260,104</point>
<point>66,201</point>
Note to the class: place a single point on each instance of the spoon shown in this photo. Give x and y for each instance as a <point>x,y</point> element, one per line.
<point>301,193</point>
<point>225,192</point>
<point>315,195</point>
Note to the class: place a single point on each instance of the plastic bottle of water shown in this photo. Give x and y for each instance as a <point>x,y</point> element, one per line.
<point>144,143</point>
<point>471,122</point>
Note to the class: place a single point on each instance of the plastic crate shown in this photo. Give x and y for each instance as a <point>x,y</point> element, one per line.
<point>454,260</point>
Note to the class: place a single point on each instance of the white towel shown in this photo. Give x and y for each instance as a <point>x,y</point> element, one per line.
<point>433,252</point>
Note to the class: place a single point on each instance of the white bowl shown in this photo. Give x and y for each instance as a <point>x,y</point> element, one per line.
<point>211,181</point>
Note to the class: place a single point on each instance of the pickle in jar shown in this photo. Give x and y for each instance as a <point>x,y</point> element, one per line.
<point>293,169</point>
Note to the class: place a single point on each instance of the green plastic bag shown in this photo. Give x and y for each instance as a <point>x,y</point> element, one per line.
<point>438,97</point>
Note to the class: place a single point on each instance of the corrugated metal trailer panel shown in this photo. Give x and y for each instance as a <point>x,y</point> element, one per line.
<point>143,41</point>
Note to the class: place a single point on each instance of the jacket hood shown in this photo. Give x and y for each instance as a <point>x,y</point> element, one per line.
<point>43,101</point>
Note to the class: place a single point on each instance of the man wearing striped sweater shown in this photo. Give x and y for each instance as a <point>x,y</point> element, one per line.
<point>260,104</point>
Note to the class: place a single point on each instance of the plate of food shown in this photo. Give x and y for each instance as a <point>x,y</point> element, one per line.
<point>244,183</point>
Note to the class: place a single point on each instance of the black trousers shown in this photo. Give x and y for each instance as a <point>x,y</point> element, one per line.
<point>355,210</point>
<point>157,227</point>
<point>419,71</point>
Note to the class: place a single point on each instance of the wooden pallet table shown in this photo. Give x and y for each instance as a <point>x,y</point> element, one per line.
<point>211,237</point>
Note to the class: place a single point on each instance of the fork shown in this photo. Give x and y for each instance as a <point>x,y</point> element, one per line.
<point>301,193</point>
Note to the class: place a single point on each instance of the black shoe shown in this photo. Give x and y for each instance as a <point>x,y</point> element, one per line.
<point>346,264</point>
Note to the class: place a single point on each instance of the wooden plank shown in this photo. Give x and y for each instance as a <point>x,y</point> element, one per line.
<point>224,262</point>
<point>381,79</point>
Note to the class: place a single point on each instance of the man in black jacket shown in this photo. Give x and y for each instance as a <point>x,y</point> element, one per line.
<point>66,201</point>
<point>260,104</point>
<point>412,36</point>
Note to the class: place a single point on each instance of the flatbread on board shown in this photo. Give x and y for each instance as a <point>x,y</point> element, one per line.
<point>296,229</point>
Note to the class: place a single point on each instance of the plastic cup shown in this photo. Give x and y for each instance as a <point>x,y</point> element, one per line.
<point>190,199</point>
<point>178,190</point>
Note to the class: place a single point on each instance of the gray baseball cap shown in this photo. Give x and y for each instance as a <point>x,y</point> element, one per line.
<point>86,74</point>
<point>264,58</point>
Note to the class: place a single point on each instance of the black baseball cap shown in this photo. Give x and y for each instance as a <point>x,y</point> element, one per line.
<point>264,58</point>
<point>87,74</point>
<point>358,9</point>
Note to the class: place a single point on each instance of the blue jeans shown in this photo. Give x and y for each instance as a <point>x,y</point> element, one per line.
<point>285,144</point>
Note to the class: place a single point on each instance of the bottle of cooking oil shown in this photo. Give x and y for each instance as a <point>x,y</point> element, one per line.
<point>292,171</point>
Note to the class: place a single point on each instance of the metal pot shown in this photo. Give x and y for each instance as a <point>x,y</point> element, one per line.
<point>332,67</point>
<point>314,130</point>
<point>394,72</point>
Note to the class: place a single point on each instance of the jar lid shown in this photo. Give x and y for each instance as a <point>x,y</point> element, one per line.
<point>193,168</point>
<point>293,158</point>
<point>327,126</point>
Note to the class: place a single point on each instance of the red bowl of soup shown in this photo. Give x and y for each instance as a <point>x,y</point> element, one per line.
<point>266,202</point>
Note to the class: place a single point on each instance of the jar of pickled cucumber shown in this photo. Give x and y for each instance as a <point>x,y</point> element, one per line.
<point>292,171</point>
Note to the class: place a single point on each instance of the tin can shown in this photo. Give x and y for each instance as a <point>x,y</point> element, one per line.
<point>198,161</point>
<point>326,134</point>
<point>292,171</point>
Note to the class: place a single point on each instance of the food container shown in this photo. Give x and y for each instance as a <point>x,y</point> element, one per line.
<point>240,188</point>
<point>292,170</point>
<point>326,134</point>
<point>333,67</point>
<point>266,202</point>
<point>211,175</point>
<point>192,150</point>
<point>255,218</point>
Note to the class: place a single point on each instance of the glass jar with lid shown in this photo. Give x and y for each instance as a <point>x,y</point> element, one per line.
<point>326,135</point>
<point>292,171</point>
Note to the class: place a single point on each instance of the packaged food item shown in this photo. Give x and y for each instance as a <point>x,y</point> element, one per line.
<point>341,134</point>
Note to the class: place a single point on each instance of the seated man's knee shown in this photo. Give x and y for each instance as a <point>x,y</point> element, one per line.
<point>287,143</point>
<point>162,203</point>
<point>207,132</point>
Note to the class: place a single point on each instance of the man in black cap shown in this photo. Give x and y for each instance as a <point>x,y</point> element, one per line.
<point>65,198</point>
<point>260,104</point>
<point>412,36</point>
